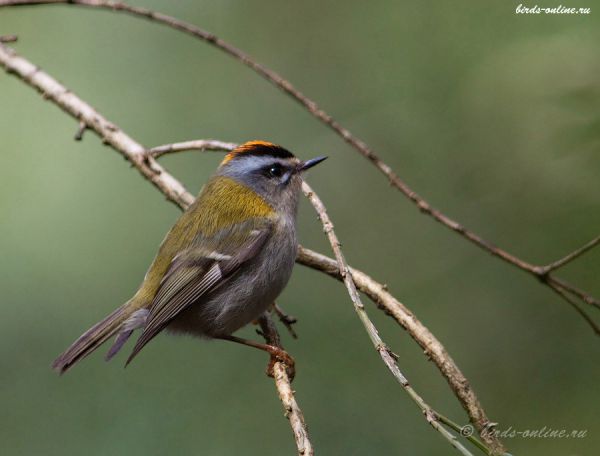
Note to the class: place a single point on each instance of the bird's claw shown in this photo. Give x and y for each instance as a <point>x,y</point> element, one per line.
<point>281,356</point>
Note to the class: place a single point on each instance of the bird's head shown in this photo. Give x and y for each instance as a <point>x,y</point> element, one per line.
<point>273,172</point>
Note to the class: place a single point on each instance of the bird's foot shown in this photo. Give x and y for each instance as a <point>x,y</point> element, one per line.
<point>281,356</point>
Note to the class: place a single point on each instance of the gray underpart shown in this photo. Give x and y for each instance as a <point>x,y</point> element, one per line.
<point>248,293</point>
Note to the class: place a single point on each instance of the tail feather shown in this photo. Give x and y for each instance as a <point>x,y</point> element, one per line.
<point>92,339</point>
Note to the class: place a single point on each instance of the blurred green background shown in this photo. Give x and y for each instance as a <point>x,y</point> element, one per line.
<point>491,116</point>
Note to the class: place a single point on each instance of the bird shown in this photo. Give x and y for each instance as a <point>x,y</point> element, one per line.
<point>222,264</point>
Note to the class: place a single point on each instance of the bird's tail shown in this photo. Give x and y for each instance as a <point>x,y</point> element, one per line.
<point>92,338</point>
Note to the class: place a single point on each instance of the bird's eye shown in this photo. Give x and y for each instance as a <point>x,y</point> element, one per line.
<point>275,170</point>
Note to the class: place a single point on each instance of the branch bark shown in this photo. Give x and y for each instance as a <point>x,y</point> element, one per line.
<point>286,394</point>
<point>201,144</point>
<point>571,256</point>
<point>388,357</point>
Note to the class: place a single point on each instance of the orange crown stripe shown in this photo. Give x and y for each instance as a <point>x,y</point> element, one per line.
<point>256,147</point>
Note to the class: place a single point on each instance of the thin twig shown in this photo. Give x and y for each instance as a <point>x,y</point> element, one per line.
<point>464,431</point>
<point>386,354</point>
<point>135,153</point>
<point>577,292</point>
<point>561,292</point>
<point>431,346</point>
<point>286,394</point>
<point>286,320</point>
<point>80,131</point>
<point>109,133</point>
<point>8,38</point>
<point>176,193</point>
<point>200,144</point>
<point>571,256</point>
<point>311,106</point>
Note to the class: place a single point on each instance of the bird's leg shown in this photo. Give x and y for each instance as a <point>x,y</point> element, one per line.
<point>277,354</point>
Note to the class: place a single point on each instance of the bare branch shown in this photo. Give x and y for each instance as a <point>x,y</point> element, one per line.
<point>461,430</point>
<point>135,153</point>
<point>110,134</point>
<point>286,394</point>
<point>561,292</point>
<point>386,354</point>
<point>583,295</point>
<point>200,144</point>
<point>571,256</point>
<point>8,38</point>
<point>431,346</point>
<point>286,320</point>
<point>80,131</point>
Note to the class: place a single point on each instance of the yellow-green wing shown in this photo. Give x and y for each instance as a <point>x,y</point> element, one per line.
<point>199,269</point>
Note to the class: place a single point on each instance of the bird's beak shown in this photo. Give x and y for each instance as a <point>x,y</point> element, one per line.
<point>310,163</point>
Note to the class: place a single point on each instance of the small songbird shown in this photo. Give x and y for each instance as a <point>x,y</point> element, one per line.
<point>222,264</point>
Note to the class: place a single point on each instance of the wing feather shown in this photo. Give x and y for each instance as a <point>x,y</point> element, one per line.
<point>199,270</point>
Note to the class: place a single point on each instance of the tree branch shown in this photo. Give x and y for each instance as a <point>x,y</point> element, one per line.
<point>571,256</point>
<point>284,388</point>
<point>388,357</point>
<point>286,320</point>
<point>201,144</point>
<point>175,192</point>
<point>431,346</point>
<point>311,106</point>
<point>583,295</point>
